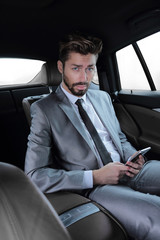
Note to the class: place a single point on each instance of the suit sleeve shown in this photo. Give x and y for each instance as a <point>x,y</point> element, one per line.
<point>39,162</point>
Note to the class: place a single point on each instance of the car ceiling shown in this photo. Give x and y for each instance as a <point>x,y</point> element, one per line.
<point>32,28</point>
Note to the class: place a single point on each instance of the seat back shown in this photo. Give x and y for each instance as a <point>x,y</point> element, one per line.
<point>50,76</point>
<point>25,211</point>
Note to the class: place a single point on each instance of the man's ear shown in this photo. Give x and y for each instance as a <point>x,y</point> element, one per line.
<point>60,66</point>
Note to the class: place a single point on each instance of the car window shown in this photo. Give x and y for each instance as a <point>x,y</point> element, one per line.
<point>150,48</point>
<point>18,71</point>
<point>132,75</point>
<point>22,71</point>
<point>95,78</point>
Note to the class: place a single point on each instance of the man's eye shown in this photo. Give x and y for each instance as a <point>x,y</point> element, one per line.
<point>90,69</point>
<point>75,68</point>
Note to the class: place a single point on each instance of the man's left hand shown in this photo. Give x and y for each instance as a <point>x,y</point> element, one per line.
<point>135,167</point>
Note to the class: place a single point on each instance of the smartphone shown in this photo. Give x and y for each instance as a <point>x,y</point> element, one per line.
<point>135,156</point>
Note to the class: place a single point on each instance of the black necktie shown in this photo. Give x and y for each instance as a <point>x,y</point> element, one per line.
<point>105,156</point>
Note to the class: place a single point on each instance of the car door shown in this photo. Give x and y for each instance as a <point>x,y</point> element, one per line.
<point>137,101</point>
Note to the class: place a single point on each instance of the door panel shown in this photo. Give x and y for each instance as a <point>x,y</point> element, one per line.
<point>148,122</point>
<point>139,118</point>
<point>14,128</point>
<point>128,125</point>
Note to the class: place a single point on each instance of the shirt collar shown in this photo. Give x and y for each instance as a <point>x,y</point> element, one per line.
<point>72,97</point>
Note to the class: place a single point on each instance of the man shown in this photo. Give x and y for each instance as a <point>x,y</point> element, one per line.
<point>63,154</point>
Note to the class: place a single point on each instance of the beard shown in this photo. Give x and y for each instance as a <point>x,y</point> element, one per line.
<point>72,89</point>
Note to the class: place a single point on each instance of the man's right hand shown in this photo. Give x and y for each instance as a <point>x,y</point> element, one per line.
<point>109,174</point>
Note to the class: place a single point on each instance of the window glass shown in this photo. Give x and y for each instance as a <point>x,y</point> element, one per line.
<point>131,72</point>
<point>150,48</point>
<point>18,71</point>
<point>95,78</point>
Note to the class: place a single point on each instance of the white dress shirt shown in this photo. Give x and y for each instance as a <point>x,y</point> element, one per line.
<point>102,131</point>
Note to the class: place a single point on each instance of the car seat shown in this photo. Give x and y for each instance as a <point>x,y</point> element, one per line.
<point>26,214</point>
<point>83,218</point>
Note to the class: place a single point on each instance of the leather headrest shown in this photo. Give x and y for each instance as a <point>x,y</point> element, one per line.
<point>48,75</point>
<point>53,75</point>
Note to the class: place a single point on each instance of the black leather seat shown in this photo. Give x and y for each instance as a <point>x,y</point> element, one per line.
<point>25,213</point>
<point>84,219</point>
<point>49,76</point>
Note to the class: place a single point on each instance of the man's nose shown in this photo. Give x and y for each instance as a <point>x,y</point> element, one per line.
<point>84,75</point>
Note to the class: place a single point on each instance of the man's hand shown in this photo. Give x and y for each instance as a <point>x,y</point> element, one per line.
<point>135,167</point>
<point>110,173</point>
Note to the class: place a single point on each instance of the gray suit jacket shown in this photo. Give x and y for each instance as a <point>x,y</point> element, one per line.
<point>59,149</point>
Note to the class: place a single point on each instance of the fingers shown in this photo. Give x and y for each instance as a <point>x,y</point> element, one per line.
<point>109,174</point>
<point>138,164</point>
<point>132,171</point>
<point>134,165</point>
<point>129,174</point>
<point>140,160</point>
<point>134,168</point>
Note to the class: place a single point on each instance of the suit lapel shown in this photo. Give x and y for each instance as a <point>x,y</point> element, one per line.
<point>100,110</point>
<point>105,118</point>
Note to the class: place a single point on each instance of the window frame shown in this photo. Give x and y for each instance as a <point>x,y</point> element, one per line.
<point>143,64</point>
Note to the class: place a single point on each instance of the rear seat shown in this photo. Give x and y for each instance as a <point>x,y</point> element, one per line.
<point>25,212</point>
<point>84,219</point>
<point>51,77</point>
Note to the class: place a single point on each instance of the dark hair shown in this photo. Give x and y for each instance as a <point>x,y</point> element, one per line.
<point>80,44</point>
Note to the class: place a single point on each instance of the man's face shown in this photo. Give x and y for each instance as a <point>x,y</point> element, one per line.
<point>78,73</point>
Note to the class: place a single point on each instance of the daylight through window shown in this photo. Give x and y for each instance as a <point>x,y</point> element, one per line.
<point>18,71</point>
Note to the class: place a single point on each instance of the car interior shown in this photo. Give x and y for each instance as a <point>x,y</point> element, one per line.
<point>32,30</point>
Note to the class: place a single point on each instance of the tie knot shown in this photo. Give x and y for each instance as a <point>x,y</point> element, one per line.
<point>79,102</point>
